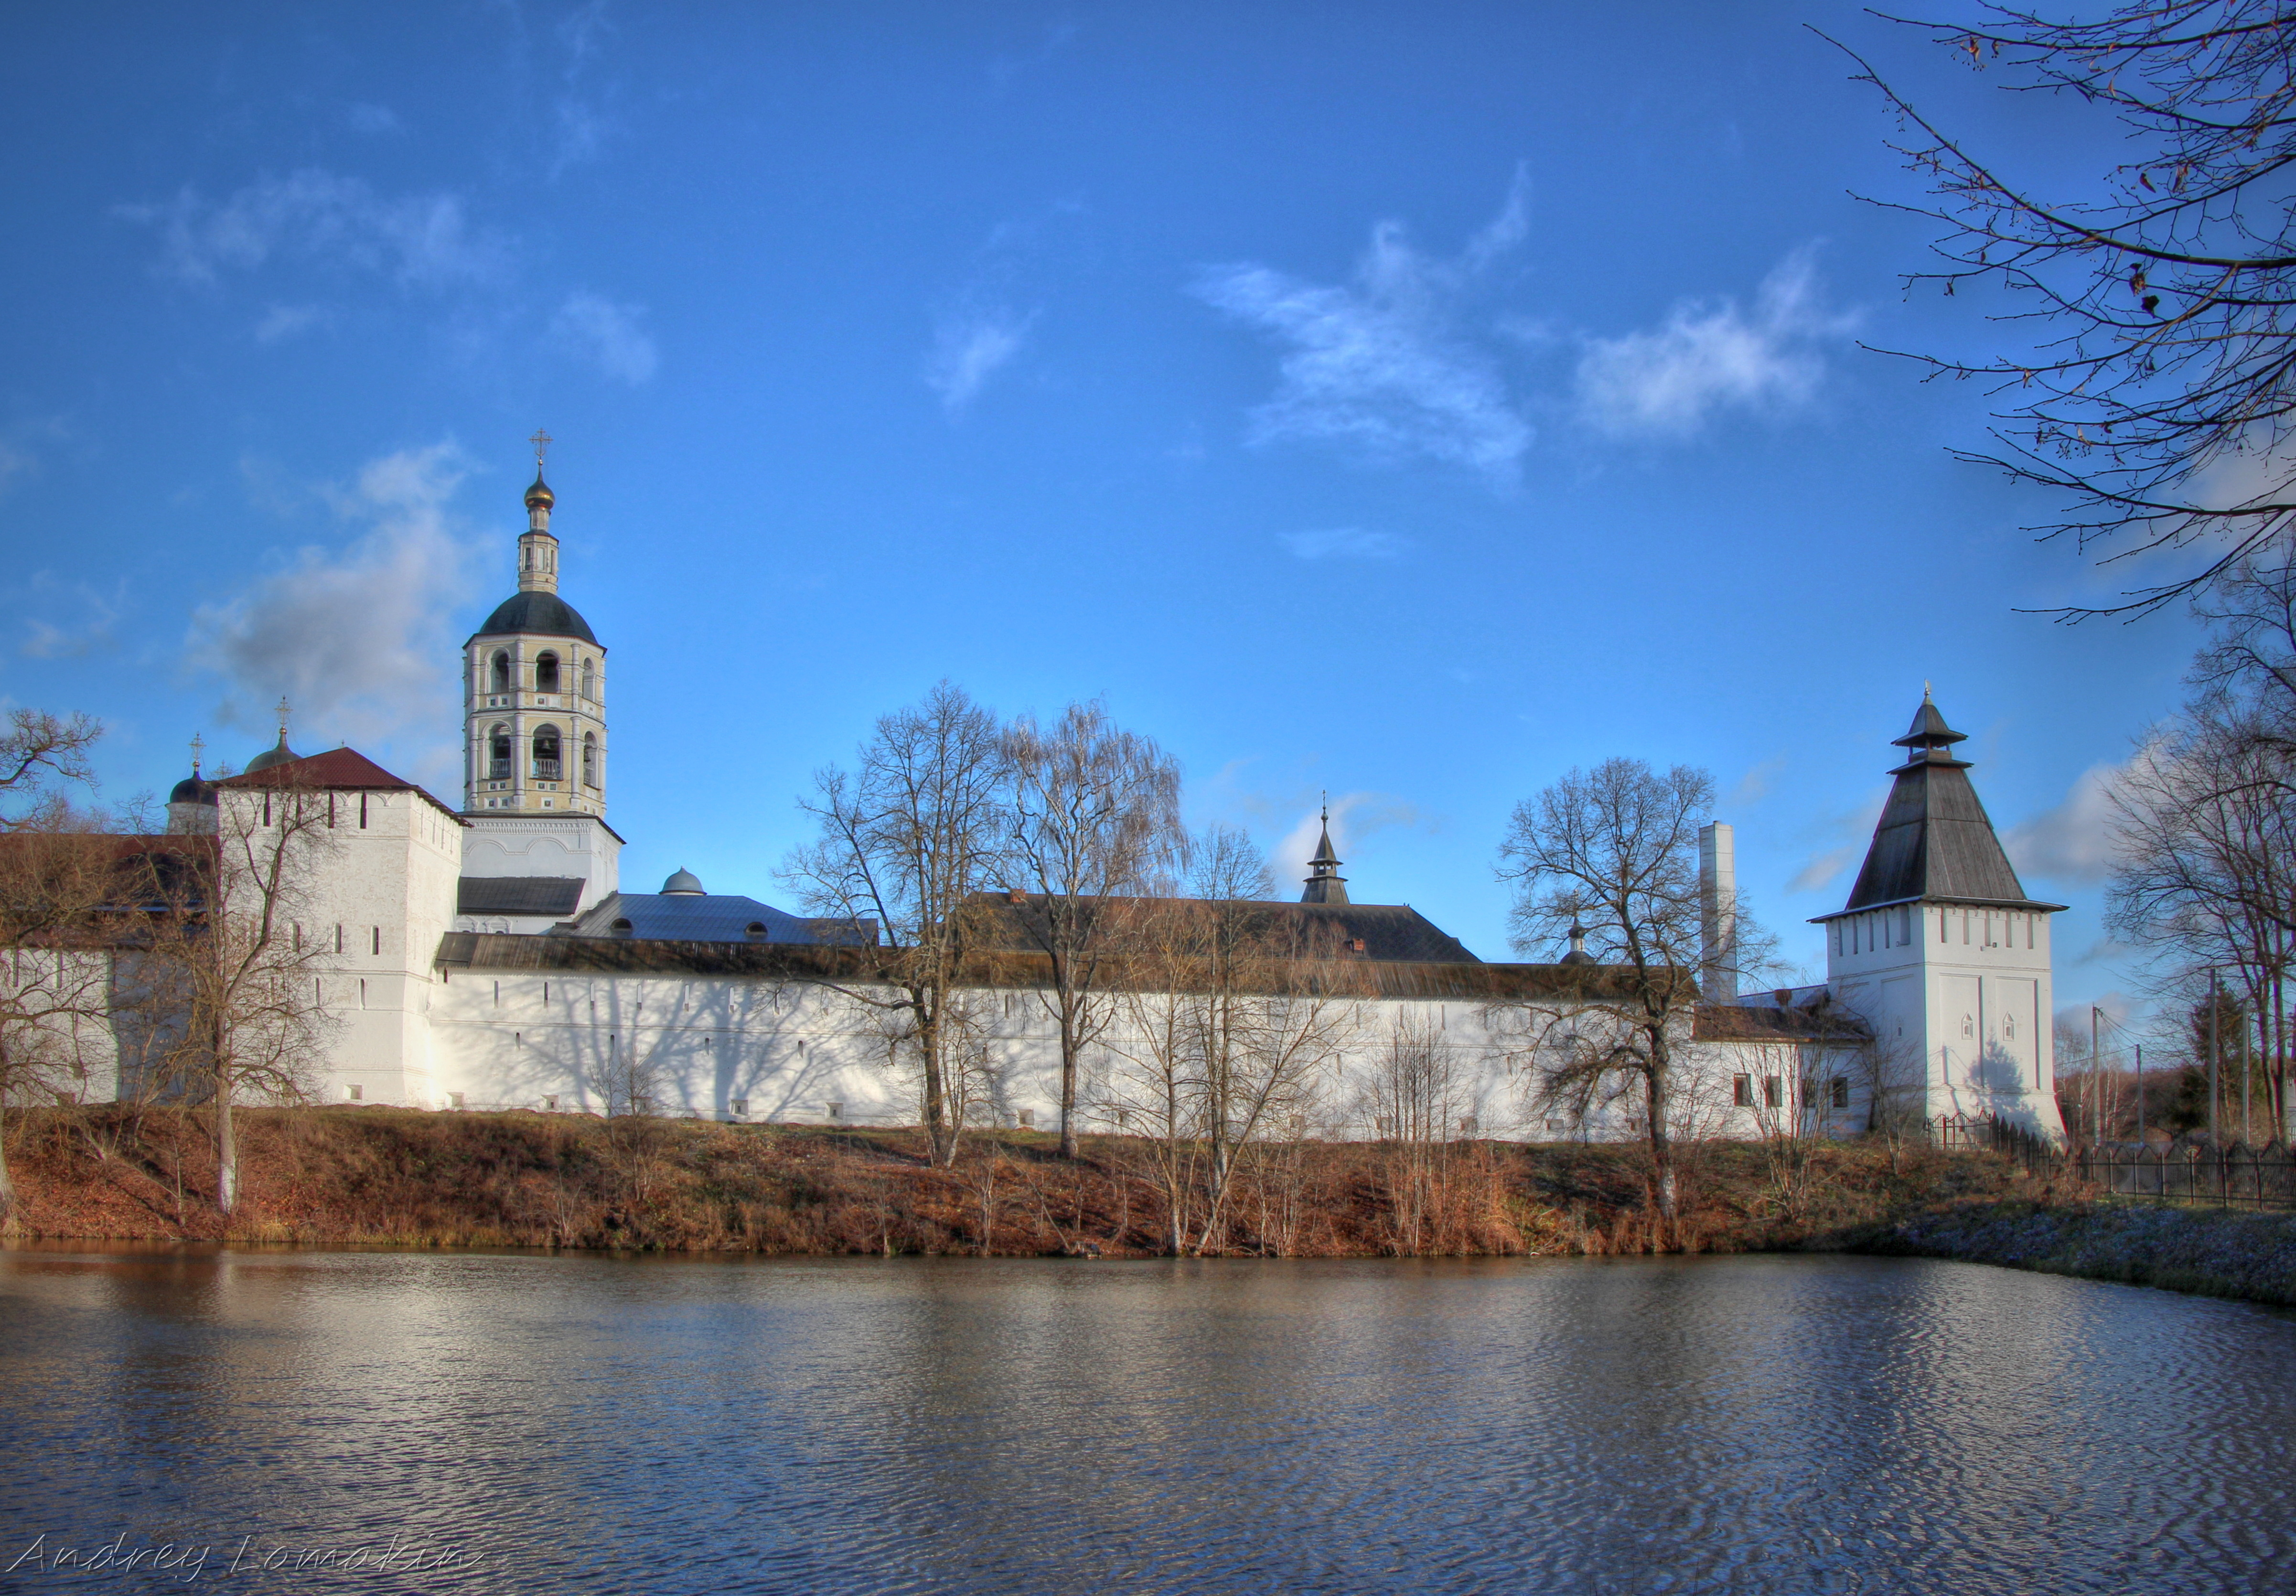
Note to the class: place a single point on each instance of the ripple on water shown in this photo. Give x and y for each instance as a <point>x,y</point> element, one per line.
<point>1718,1424</point>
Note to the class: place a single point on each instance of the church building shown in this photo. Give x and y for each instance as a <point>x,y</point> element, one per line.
<point>485,955</point>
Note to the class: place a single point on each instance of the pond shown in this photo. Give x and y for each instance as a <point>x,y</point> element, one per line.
<point>308,1420</point>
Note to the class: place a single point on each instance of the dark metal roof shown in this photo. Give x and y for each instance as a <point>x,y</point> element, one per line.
<point>536,612</point>
<point>273,757</point>
<point>1394,932</point>
<point>1472,981</point>
<point>192,790</point>
<point>1934,840</point>
<point>699,917</point>
<point>1326,884</point>
<point>1768,1022</point>
<point>554,895</point>
<point>338,770</point>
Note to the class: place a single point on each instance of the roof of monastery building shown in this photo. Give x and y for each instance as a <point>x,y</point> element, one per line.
<point>1934,840</point>
<point>1395,932</point>
<point>339,770</point>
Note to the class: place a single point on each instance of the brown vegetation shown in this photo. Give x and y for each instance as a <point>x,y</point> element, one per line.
<point>386,1177</point>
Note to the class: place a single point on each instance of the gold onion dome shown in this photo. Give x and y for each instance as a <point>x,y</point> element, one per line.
<point>540,496</point>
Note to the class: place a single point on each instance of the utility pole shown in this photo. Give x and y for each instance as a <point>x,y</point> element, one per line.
<point>2096,1077</point>
<point>2140,1094</point>
<point>2216,1004</point>
<point>2247,1089</point>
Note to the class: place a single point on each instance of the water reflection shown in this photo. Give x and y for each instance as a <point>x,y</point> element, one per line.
<point>1720,1424</point>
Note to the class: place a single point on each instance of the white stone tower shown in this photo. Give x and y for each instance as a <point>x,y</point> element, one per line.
<point>534,728</point>
<point>1943,953</point>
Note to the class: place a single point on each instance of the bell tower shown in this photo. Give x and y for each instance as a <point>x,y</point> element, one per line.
<point>534,725</point>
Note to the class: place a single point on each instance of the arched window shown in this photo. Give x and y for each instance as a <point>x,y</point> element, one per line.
<point>589,758</point>
<point>546,753</point>
<point>590,680</point>
<point>545,673</point>
<point>498,754</point>
<point>501,672</point>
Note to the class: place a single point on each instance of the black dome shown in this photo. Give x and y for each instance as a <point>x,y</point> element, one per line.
<point>542,612</point>
<point>268,758</point>
<point>192,790</point>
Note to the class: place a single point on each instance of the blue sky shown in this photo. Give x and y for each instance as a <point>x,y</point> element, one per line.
<point>1410,403</point>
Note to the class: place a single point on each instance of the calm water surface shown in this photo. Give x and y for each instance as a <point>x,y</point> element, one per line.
<point>530,1423</point>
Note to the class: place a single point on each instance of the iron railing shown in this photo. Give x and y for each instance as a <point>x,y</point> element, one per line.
<point>2185,1171</point>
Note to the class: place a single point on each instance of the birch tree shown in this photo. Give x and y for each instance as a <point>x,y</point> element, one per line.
<point>1094,815</point>
<point>234,948</point>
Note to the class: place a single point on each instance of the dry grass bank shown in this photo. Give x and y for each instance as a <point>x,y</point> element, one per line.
<point>399,1178</point>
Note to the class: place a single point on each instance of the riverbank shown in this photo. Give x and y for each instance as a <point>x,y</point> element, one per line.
<point>2212,1252</point>
<point>390,1177</point>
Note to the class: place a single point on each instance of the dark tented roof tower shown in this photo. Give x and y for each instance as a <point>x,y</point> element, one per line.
<point>1326,884</point>
<point>1935,840</point>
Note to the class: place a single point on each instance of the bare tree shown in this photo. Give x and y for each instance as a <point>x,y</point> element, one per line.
<point>1095,815</point>
<point>1234,1014</point>
<point>233,948</point>
<point>58,890</point>
<point>1413,1099</point>
<point>2156,397</point>
<point>39,754</point>
<point>907,840</point>
<point>1613,851</point>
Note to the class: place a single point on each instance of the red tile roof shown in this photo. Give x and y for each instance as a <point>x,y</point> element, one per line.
<point>338,770</point>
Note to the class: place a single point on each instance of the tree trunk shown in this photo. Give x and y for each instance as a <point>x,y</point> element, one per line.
<point>1654,1099</point>
<point>1068,1084</point>
<point>7,1184</point>
<point>226,1147</point>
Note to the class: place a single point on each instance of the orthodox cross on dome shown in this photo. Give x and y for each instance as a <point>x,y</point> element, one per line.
<point>198,743</point>
<point>541,440</point>
<point>283,717</point>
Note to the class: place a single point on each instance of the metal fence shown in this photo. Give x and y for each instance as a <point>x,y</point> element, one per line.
<point>2183,1172</point>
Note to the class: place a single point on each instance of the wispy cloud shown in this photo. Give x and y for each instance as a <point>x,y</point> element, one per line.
<point>608,335</point>
<point>2073,840</point>
<point>75,635</point>
<point>373,120</point>
<point>1386,363</point>
<point>285,321</point>
<point>356,637</point>
<point>1846,835</point>
<point>969,346</point>
<point>1706,359</point>
<point>1343,542</point>
<point>321,218</point>
<point>1354,817</point>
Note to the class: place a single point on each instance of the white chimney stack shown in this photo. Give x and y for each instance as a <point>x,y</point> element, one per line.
<point>1717,914</point>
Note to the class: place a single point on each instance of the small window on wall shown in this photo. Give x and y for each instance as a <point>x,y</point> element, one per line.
<point>546,754</point>
<point>1742,1094</point>
<point>741,1107</point>
<point>590,680</point>
<point>498,676</point>
<point>545,672</point>
<point>589,758</point>
<point>498,754</point>
<point>1969,1028</point>
<point>355,1092</point>
<point>1904,925</point>
<point>1841,1084</point>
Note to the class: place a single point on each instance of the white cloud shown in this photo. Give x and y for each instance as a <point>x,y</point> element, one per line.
<point>1355,815</point>
<point>285,321</point>
<point>607,334</point>
<point>16,462</point>
<point>317,216</point>
<point>73,637</point>
<point>968,347</point>
<point>2071,842</point>
<point>1847,835</point>
<point>355,638</point>
<point>1668,383</point>
<point>364,117</point>
<point>1343,542</point>
<point>1385,363</point>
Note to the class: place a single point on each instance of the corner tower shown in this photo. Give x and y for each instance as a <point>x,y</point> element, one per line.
<point>1942,952</point>
<point>534,730</point>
